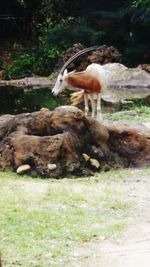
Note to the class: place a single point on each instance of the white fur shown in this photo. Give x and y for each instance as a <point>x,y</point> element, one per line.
<point>98,72</point>
<point>60,83</point>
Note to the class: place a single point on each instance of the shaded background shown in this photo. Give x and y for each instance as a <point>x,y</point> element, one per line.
<point>33,33</point>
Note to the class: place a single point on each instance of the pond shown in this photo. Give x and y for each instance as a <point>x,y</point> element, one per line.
<point>14,100</point>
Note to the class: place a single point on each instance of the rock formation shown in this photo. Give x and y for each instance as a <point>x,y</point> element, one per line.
<point>102,55</point>
<point>65,142</point>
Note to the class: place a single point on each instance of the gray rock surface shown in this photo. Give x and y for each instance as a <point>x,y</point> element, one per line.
<point>126,83</point>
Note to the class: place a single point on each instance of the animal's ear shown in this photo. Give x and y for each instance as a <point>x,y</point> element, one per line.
<point>65,71</point>
<point>72,72</point>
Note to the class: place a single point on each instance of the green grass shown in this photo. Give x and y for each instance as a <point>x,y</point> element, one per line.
<point>41,221</point>
<point>142,114</point>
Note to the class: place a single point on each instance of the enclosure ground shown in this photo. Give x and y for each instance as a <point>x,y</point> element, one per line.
<point>97,221</point>
<point>131,248</point>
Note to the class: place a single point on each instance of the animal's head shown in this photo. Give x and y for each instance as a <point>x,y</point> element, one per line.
<point>61,81</point>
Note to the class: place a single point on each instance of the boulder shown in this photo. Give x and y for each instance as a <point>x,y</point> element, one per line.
<point>65,142</point>
<point>122,76</point>
<point>126,84</point>
<point>102,55</point>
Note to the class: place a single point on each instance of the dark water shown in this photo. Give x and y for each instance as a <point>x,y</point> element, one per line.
<point>16,100</point>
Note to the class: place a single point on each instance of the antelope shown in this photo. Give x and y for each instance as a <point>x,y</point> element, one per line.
<point>93,81</point>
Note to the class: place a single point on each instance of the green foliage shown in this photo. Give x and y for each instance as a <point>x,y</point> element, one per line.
<point>53,11</point>
<point>22,2</point>
<point>138,111</point>
<point>21,66</point>
<point>142,4</point>
<point>39,60</point>
<point>52,26</point>
<point>52,40</point>
<point>45,58</point>
<point>67,32</point>
<point>57,38</point>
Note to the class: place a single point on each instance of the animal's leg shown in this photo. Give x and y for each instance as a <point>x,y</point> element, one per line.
<point>86,104</point>
<point>93,105</point>
<point>99,112</point>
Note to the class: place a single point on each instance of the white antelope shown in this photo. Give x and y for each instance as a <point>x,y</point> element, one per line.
<point>93,81</point>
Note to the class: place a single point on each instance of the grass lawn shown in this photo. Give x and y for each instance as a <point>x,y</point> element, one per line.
<point>42,220</point>
<point>142,113</point>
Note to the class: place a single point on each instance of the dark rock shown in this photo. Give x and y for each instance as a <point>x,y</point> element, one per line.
<point>102,55</point>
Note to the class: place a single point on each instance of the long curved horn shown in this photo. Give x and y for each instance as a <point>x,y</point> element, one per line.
<point>75,56</point>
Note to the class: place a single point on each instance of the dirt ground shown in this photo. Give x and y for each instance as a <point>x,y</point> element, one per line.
<point>132,248</point>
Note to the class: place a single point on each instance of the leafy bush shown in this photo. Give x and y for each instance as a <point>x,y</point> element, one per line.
<point>21,66</point>
<point>67,32</point>
<point>56,38</point>
<point>45,59</point>
<point>41,58</point>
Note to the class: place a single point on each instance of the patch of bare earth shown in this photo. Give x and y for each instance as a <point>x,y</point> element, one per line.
<point>132,247</point>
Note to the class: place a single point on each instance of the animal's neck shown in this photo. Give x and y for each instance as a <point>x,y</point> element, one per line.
<point>84,81</point>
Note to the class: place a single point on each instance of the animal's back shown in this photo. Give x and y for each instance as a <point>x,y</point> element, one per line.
<point>100,73</point>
